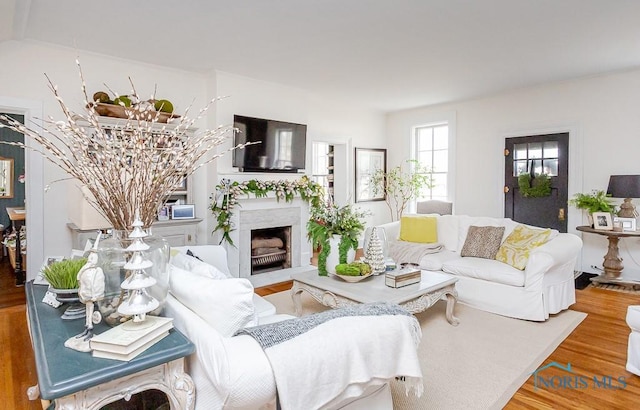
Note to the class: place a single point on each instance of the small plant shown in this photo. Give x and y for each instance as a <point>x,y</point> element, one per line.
<point>64,274</point>
<point>327,220</point>
<point>596,201</point>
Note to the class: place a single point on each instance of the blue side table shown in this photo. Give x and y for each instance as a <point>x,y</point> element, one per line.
<point>77,380</point>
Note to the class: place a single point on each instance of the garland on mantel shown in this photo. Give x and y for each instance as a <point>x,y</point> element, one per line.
<point>227,195</point>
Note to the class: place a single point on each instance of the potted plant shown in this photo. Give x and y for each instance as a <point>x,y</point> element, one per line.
<point>63,277</point>
<point>342,226</point>
<point>401,185</point>
<point>596,201</point>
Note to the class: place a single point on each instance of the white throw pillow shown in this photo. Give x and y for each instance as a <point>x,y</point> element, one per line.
<point>225,304</point>
<point>196,266</point>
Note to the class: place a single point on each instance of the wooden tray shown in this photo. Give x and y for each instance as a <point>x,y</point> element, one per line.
<point>118,111</point>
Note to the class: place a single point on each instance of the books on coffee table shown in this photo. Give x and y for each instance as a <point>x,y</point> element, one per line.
<point>124,342</point>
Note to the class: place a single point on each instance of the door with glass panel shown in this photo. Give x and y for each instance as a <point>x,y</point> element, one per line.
<point>541,157</point>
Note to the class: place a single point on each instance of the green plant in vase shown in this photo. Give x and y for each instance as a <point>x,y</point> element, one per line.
<point>596,201</point>
<point>64,274</point>
<point>329,220</point>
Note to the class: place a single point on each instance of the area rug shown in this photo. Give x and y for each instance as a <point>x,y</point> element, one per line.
<point>479,364</point>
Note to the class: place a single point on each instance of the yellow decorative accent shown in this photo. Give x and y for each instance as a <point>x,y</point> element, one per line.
<point>419,229</point>
<point>516,248</point>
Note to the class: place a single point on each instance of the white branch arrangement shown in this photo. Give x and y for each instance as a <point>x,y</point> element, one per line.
<point>135,166</point>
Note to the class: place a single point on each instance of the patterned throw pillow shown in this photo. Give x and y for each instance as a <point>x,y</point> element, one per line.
<point>516,248</point>
<point>482,241</point>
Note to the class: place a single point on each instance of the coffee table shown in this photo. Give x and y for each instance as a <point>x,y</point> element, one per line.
<point>333,292</point>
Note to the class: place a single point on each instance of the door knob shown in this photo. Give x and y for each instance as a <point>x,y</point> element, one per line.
<point>561,214</point>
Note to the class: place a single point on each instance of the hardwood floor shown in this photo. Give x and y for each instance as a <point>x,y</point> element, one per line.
<point>596,348</point>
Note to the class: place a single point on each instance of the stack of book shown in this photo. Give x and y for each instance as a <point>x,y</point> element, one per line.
<point>126,341</point>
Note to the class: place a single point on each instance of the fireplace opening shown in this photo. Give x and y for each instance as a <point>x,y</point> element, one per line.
<point>270,249</point>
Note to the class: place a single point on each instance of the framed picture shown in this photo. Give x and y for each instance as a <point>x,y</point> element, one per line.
<point>628,224</point>
<point>183,212</point>
<point>602,220</point>
<point>368,161</point>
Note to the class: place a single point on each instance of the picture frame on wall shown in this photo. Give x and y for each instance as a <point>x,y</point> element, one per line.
<point>367,162</point>
<point>602,221</point>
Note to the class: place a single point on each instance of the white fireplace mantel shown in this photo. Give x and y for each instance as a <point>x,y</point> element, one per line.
<point>261,213</point>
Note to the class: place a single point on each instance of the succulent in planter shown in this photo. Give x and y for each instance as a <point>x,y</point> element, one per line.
<point>596,201</point>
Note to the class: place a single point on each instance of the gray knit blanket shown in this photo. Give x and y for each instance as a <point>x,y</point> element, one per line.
<point>274,333</point>
<point>402,251</point>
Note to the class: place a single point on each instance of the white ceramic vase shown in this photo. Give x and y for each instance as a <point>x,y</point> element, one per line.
<point>334,254</point>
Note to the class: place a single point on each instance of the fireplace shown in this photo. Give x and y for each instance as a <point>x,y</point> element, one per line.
<point>270,249</point>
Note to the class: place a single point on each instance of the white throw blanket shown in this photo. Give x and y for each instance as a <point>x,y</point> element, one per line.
<point>402,251</point>
<point>340,358</point>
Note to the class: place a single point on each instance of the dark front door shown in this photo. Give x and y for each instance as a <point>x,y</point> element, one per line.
<point>537,154</point>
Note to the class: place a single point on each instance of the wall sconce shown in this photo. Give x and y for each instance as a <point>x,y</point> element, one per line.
<point>627,187</point>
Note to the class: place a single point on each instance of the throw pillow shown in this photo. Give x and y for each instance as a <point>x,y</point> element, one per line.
<point>189,253</point>
<point>196,266</point>
<point>516,248</point>
<point>482,241</point>
<point>226,305</point>
<point>419,229</point>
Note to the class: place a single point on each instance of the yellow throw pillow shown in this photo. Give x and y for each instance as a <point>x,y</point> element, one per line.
<point>516,248</point>
<point>419,229</point>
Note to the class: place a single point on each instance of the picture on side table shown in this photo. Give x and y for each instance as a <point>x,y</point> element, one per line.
<point>628,224</point>
<point>367,162</point>
<point>603,221</point>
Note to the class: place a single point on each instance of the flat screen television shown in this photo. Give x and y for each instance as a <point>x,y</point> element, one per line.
<point>281,148</point>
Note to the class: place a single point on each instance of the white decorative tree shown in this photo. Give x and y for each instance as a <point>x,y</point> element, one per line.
<point>139,302</point>
<point>374,255</point>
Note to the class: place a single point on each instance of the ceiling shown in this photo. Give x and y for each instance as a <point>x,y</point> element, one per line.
<point>384,54</point>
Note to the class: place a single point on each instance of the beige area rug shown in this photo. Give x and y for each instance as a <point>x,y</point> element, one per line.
<point>479,364</point>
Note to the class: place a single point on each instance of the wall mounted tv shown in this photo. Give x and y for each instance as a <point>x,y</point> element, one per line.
<point>282,146</point>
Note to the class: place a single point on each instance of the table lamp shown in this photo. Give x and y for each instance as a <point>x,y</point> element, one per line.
<point>627,187</point>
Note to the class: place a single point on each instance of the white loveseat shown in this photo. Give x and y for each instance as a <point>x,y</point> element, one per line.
<point>234,372</point>
<point>544,287</point>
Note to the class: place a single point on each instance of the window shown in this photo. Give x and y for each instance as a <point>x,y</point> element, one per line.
<point>322,167</point>
<point>431,150</point>
<point>536,158</point>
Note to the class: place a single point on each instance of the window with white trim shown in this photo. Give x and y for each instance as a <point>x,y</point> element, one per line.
<point>431,150</point>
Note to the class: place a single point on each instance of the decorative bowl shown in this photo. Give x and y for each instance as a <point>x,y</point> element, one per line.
<point>353,279</point>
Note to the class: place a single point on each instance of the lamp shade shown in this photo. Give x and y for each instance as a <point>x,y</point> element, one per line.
<point>624,186</point>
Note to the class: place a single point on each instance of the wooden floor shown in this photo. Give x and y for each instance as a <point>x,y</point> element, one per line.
<point>596,348</point>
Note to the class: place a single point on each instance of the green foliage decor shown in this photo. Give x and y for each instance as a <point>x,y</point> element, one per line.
<point>596,201</point>
<point>227,194</point>
<point>64,274</point>
<point>401,185</point>
<point>327,220</point>
<point>537,187</point>
<point>353,269</point>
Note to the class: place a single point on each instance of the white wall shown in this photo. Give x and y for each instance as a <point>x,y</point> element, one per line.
<point>601,114</point>
<point>22,65</point>
<point>327,120</point>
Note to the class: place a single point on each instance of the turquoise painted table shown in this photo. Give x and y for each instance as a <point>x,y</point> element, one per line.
<point>78,380</point>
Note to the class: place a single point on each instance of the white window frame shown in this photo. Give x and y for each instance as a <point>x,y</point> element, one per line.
<point>448,119</point>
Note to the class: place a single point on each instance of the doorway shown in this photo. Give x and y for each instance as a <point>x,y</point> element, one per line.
<point>535,155</point>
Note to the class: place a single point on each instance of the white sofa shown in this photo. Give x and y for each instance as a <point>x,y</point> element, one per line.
<point>234,372</point>
<point>544,287</point>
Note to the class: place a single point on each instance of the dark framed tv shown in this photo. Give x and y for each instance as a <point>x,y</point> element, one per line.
<point>280,146</point>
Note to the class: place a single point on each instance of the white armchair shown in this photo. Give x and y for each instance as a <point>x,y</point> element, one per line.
<point>233,372</point>
<point>633,347</point>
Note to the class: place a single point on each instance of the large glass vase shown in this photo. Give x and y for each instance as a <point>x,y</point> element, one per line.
<point>112,256</point>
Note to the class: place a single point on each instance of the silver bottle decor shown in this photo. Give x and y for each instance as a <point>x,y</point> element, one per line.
<point>374,255</point>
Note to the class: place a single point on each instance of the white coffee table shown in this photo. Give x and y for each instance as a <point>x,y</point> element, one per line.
<point>333,292</point>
